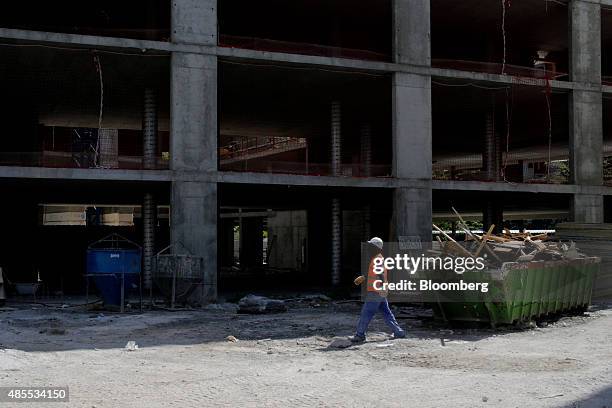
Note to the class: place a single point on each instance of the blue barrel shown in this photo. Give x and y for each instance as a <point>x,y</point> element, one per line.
<point>109,264</point>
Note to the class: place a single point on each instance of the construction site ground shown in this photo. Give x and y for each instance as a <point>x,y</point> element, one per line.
<point>185,360</point>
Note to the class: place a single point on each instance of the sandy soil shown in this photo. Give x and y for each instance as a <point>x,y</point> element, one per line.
<point>184,360</point>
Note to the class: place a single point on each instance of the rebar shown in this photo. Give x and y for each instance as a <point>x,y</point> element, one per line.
<point>336,138</point>
<point>366,149</point>
<point>149,129</point>
<point>148,227</point>
<point>336,244</point>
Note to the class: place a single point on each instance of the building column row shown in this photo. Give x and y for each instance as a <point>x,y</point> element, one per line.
<point>194,124</point>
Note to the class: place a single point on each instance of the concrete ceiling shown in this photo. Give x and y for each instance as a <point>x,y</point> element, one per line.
<point>472,30</point>
<point>63,87</point>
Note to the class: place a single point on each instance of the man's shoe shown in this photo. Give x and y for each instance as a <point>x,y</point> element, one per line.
<point>401,335</point>
<point>357,339</point>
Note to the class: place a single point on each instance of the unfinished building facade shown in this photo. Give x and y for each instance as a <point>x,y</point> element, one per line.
<point>272,137</point>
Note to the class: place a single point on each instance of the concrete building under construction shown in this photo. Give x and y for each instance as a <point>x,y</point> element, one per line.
<point>272,137</point>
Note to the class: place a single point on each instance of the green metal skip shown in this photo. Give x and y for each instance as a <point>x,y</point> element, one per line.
<point>523,291</point>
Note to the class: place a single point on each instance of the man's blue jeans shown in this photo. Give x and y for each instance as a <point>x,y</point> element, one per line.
<point>368,311</point>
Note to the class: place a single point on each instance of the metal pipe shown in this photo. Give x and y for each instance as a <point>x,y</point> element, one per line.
<point>336,244</point>
<point>149,129</point>
<point>336,138</point>
<point>366,149</point>
<point>148,227</point>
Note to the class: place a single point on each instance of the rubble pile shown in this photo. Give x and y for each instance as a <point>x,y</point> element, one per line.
<point>497,249</point>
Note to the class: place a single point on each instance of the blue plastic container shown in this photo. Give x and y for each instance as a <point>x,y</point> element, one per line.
<point>109,264</point>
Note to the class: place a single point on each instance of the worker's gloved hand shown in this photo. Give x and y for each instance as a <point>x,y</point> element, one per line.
<point>359,280</point>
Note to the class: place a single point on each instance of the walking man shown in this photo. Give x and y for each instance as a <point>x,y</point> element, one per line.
<point>376,300</point>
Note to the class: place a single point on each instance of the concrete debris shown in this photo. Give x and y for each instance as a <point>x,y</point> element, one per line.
<point>253,304</point>
<point>340,343</point>
<point>57,331</point>
<point>228,307</point>
<point>231,339</point>
<point>384,345</point>
<point>317,296</point>
<point>131,346</point>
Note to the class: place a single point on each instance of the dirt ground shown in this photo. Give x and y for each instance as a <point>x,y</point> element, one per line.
<point>184,359</point>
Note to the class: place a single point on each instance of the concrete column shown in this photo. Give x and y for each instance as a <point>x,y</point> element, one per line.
<point>411,28</point>
<point>149,215</point>
<point>366,222</point>
<point>586,138</point>
<point>226,238</point>
<point>108,142</point>
<point>149,129</point>
<point>193,148</point>
<point>194,21</point>
<point>585,41</point>
<point>411,126</point>
<point>193,115</point>
<point>493,213</point>
<point>336,211</point>
<point>149,208</point>
<point>412,215</point>
<point>336,241</point>
<point>366,150</point>
<point>336,139</point>
<point>251,242</point>
<point>412,152</point>
<point>587,209</point>
<point>491,156</point>
<point>586,127</point>
<point>193,226</point>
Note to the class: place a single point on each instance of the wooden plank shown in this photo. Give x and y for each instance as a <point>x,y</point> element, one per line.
<point>484,240</point>
<point>448,237</point>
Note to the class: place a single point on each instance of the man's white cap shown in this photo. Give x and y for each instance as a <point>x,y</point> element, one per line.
<point>377,242</point>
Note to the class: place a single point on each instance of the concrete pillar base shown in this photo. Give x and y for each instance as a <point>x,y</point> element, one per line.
<point>412,215</point>
<point>193,226</point>
<point>588,209</point>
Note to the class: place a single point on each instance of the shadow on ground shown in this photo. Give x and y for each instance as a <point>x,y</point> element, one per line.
<point>34,327</point>
<point>601,399</point>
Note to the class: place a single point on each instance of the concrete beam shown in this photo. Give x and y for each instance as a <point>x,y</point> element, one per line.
<point>193,226</point>
<point>485,78</point>
<point>193,112</point>
<point>520,187</point>
<point>144,47</point>
<point>297,180</point>
<point>585,41</point>
<point>587,209</point>
<point>27,38</point>
<point>17,172</point>
<point>412,140</point>
<point>41,173</point>
<point>194,21</point>
<point>412,32</point>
